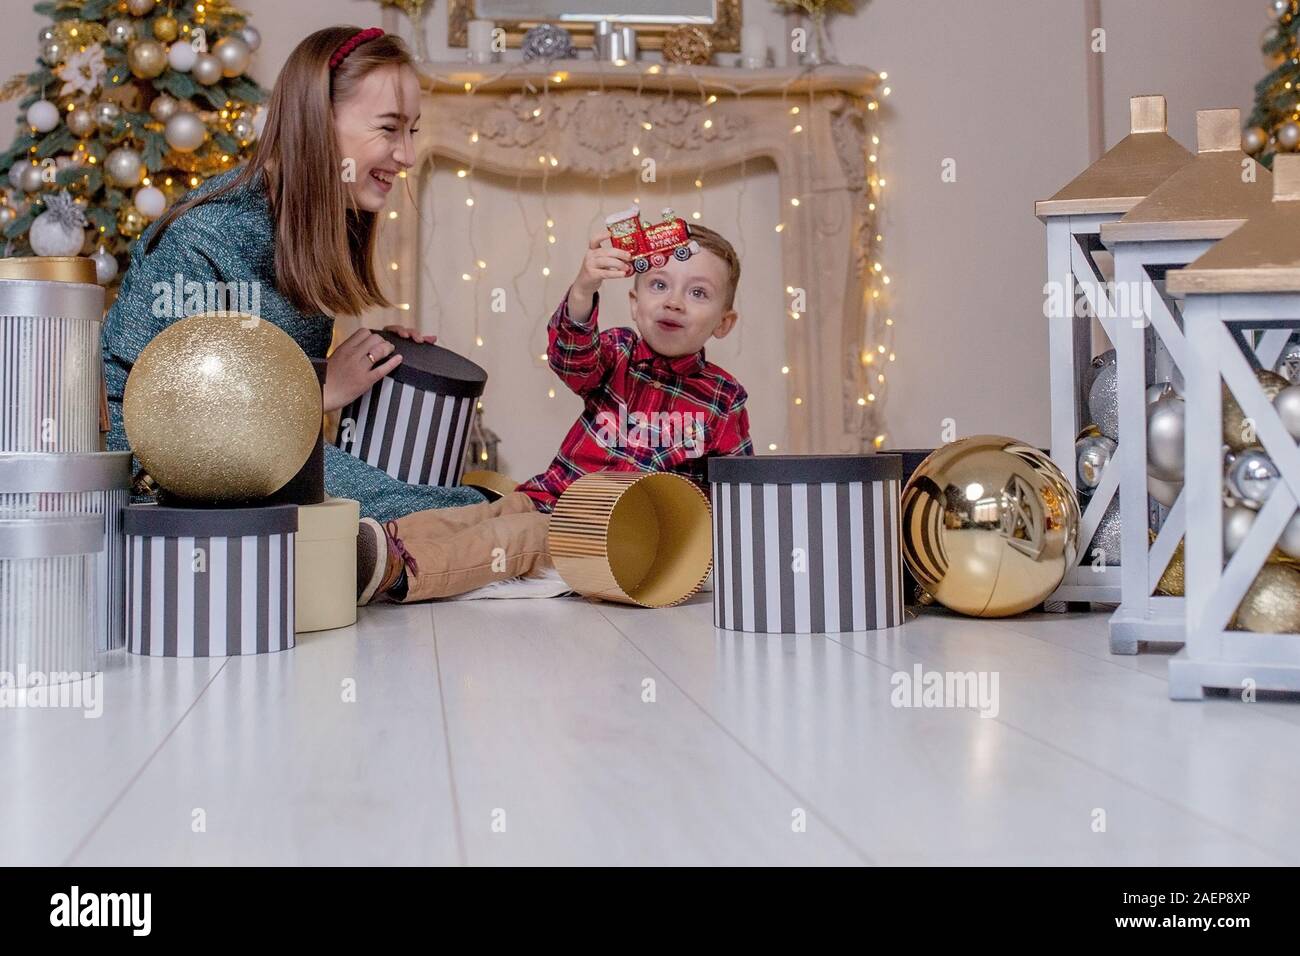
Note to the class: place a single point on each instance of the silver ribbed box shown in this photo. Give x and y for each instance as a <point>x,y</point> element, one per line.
<point>33,484</point>
<point>49,600</point>
<point>49,365</point>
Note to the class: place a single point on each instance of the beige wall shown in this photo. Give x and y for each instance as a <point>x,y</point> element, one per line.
<point>996,85</point>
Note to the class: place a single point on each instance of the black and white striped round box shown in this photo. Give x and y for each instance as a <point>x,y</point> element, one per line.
<point>209,582</point>
<point>806,544</point>
<point>413,423</point>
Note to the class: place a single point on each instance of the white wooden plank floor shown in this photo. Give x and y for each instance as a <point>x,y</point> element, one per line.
<point>516,732</point>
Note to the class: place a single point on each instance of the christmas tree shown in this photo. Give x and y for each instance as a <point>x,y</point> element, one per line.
<point>1274,125</point>
<point>132,104</point>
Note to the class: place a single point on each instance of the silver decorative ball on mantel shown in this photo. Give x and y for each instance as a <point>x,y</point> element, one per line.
<point>546,41</point>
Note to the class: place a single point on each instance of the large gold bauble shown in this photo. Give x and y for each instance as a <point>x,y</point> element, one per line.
<point>1236,434</point>
<point>147,59</point>
<point>990,526</point>
<point>1272,604</point>
<point>222,408</point>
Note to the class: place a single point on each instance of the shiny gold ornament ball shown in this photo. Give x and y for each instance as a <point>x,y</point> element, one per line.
<point>1272,604</point>
<point>687,43</point>
<point>1253,139</point>
<point>990,526</point>
<point>166,29</point>
<point>140,8</point>
<point>1237,434</point>
<point>147,59</point>
<point>222,408</point>
<point>130,221</point>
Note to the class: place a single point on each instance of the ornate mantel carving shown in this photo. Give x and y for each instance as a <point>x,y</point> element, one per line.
<point>596,113</point>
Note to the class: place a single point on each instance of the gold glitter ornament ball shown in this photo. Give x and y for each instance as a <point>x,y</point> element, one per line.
<point>222,408</point>
<point>990,526</point>
<point>1272,604</point>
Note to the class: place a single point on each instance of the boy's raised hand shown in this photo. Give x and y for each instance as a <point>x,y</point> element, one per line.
<point>600,263</point>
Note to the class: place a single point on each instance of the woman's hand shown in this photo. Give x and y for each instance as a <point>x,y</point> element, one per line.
<point>406,332</point>
<point>362,359</point>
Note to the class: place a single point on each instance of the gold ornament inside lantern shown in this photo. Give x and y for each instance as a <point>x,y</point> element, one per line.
<point>990,526</point>
<point>1272,604</point>
<point>1238,432</point>
<point>222,408</point>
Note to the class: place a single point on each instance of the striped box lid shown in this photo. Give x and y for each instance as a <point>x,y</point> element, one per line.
<point>433,368</point>
<point>804,469</point>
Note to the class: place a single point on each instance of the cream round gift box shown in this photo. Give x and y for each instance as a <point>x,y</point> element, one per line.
<point>98,483</point>
<point>632,537</point>
<point>806,544</point>
<point>49,596</point>
<point>50,366</point>
<point>326,565</point>
<point>209,582</point>
<point>413,423</point>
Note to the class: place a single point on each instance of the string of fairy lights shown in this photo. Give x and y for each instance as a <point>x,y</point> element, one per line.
<point>877,351</point>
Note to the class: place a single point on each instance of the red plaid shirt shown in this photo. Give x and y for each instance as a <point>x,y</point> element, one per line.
<point>642,411</point>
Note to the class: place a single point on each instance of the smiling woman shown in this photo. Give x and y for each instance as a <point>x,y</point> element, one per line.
<point>297,226</point>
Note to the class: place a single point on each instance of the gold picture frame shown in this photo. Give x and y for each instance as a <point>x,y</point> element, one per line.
<point>649,36</point>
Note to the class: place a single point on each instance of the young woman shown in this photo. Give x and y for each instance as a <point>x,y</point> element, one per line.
<point>300,222</point>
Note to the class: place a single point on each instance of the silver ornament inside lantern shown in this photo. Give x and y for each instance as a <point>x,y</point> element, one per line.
<point>1092,454</point>
<point>1252,477</point>
<point>1103,401</point>
<point>1289,542</point>
<point>1237,522</point>
<point>1287,404</point>
<point>1288,363</point>
<point>1166,432</point>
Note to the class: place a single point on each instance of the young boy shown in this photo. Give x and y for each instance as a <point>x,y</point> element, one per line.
<point>651,403</point>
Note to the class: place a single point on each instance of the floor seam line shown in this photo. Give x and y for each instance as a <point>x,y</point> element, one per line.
<point>143,767</point>
<point>461,852</point>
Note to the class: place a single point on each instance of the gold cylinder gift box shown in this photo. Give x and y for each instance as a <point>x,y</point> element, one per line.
<point>49,268</point>
<point>326,565</point>
<point>632,537</point>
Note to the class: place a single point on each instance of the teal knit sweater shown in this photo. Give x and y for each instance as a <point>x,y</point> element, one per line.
<point>232,240</point>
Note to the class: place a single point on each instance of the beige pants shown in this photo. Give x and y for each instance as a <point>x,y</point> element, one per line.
<point>460,549</point>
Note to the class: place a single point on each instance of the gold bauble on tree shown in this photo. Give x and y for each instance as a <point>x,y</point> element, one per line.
<point>140,8</point>
<point>990,526</point>
<point>222,408</point>
<point>166,29</point>
<point>147,59</point>
<point>1272,604</point>
<point>1237,433</point>
<point>130,221</point>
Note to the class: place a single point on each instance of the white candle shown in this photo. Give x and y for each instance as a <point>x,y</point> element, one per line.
<point>753,44</point>
<point>480,38</point>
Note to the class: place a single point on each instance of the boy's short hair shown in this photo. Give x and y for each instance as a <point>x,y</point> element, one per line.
<point>720,247</point>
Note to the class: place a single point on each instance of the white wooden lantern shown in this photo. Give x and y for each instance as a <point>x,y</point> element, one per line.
<point>1184,216</point>
<point>1103,193</point>
<point>1248,283</point>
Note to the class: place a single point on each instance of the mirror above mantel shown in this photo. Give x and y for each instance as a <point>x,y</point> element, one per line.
<point>579,17</point>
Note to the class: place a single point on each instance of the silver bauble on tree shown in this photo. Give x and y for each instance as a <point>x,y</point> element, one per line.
<point>81,122</point>
<point>60,230</point>
<point>121,31</point>
<point>252,37</point>
<point>124,166</point>
<point>163,107</point>
<point>185,132</point>
<point>42,116</point>
<point>234,55</point>
<point>105,266</point>
<point>106,114</point>
<point>206,69</point>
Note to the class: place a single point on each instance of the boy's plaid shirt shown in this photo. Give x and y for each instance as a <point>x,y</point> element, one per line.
<point>642,412</point>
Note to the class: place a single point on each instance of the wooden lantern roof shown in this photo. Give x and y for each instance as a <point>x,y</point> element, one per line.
<point>1263,255</point>
<point>1128,172</point>
<point>1209,197</point>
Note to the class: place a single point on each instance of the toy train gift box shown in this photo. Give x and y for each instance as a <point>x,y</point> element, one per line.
<point>651,245</point>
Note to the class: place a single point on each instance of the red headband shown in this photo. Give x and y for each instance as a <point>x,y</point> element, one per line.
<point>351,43</point>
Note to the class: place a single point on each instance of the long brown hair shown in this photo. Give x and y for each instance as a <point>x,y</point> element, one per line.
<point>324,247</point>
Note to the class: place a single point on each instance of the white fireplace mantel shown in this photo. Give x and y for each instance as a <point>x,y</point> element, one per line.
<point>595,113</point>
